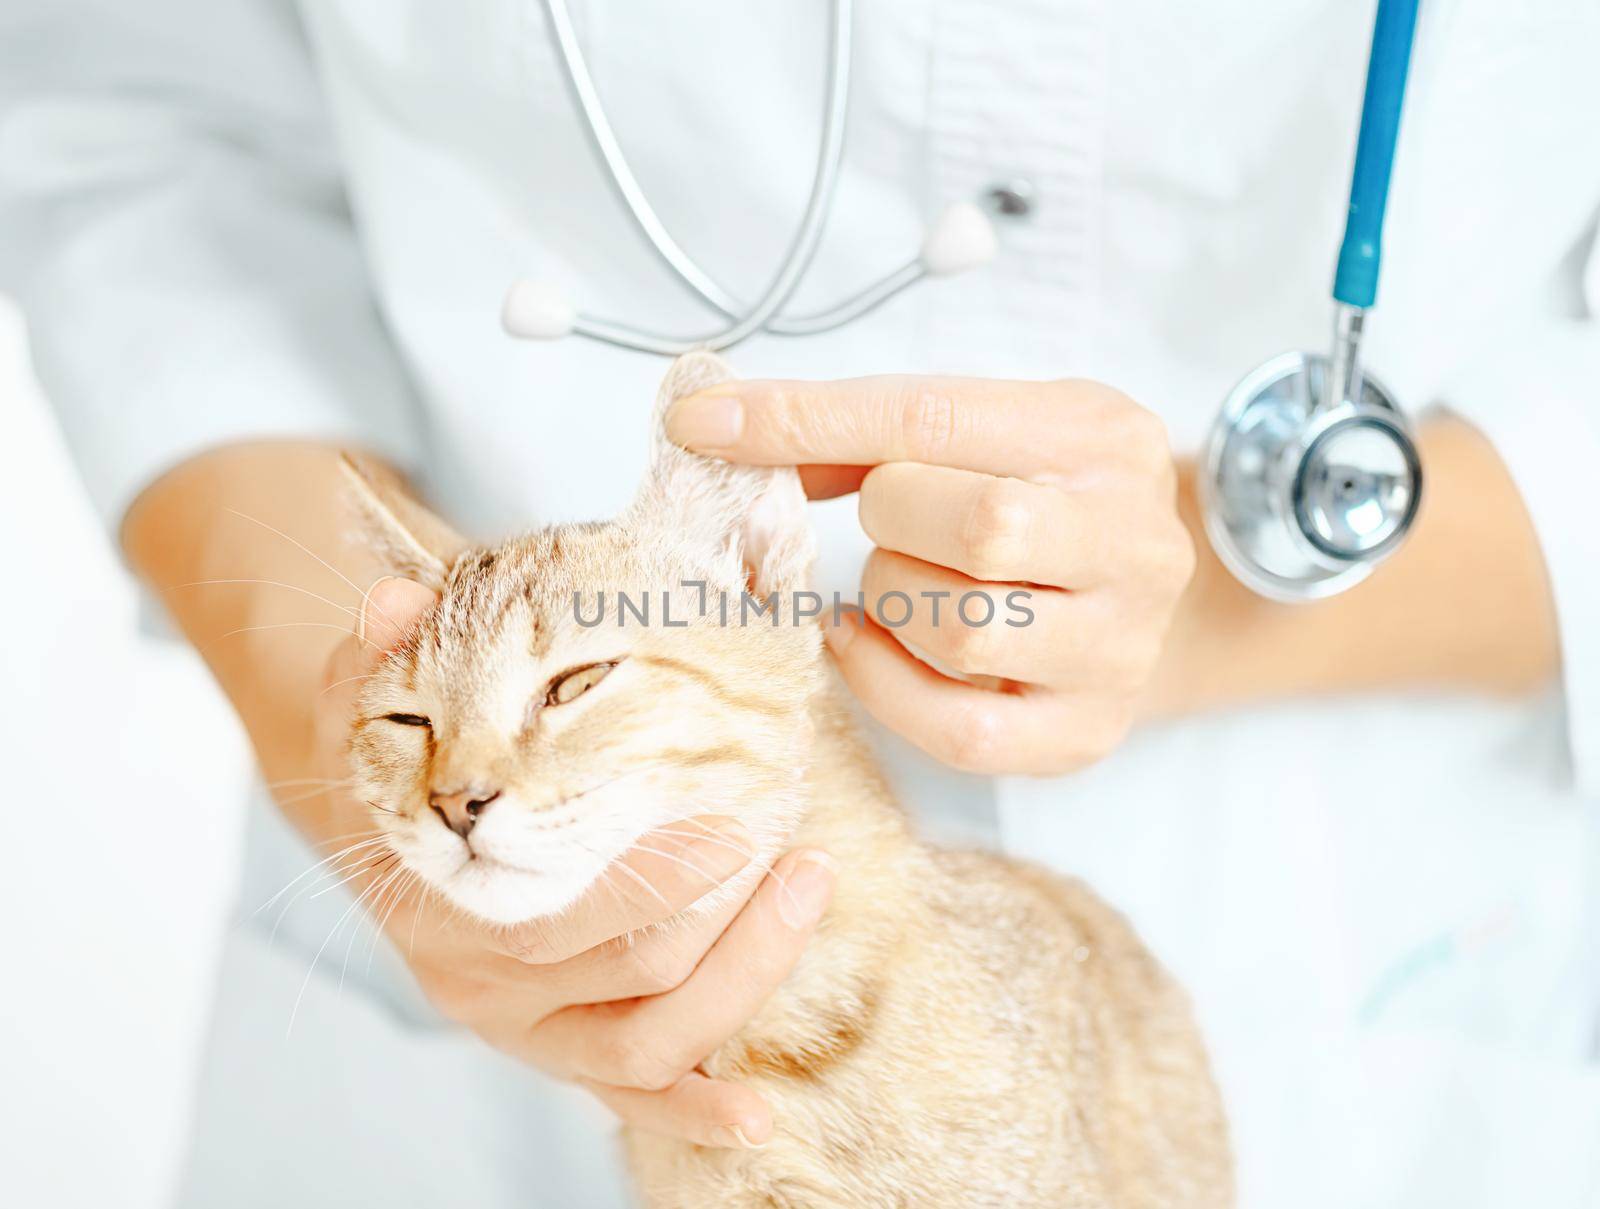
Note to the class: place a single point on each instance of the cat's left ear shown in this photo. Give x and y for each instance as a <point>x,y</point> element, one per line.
<point>407,538</point>
<point>747,520</point>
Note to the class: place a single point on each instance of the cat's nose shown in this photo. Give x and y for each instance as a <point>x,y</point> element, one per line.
<point>460,808</point>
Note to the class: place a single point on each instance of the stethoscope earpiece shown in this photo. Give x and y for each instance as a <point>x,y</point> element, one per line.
<point>535,309</point>
<point>960,239</point>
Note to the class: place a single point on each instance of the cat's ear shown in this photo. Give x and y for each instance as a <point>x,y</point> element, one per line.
<point>747,521</point>
<point>407,538</point>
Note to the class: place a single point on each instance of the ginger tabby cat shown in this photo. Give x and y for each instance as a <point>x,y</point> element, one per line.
<point>964,1029</point>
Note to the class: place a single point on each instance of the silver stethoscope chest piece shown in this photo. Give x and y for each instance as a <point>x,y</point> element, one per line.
<point>1311,476</point>
<point>1302,500</point>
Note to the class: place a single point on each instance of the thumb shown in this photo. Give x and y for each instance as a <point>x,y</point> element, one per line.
<point>389,612</point>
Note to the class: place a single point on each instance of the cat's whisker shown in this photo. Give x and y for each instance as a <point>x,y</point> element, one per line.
<point>273,583</point>
<point>423,897</point>
<point>678,860</point>
<point>292,782</point>
<point>348,835</point>
<point>282,625</point>
<point>366,860</point>
<point>766,868</point>
<point>312,968</point>
<point>328,688</point>
<point>616,891</point>
<point>303,548</point>
<point>306,795</point>
<point>373,900</point>
<point>356,874</point>
<point>642,881</point>
<point>783,882</point>
<point>314,868</point>
<point>710,837</point>
<point>401,889</point>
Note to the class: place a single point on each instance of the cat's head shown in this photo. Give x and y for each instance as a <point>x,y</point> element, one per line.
<point>522,738</point>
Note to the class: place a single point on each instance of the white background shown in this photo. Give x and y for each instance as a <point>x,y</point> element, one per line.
<point>124,775</point>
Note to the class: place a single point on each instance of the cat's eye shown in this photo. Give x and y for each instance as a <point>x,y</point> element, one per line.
<point>407,719</point>
<point>570,685</point>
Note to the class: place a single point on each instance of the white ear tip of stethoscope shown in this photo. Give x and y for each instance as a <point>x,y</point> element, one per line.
<point>961,238</point>
<point>537,310</point>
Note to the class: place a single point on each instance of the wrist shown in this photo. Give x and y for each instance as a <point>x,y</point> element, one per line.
<point>245,546</point>
<point>1226,644</point>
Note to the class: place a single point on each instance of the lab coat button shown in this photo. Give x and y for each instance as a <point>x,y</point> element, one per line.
<point>1011,198</point>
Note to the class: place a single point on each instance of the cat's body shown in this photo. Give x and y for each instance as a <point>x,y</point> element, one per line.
<point>962,1031</point>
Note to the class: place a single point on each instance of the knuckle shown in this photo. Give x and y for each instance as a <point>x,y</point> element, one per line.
<point>972,740</point>
<point>1184,559</point>
<point>656,969</point>
<point>995,542</point>
<point>1169,562</point>
<point>1097,401</point>
<point>788,422</point>
<point>530,945</point>
<point>646,1066</point>
<point>1144,437</point>
<point>1147,428</point>
<point>1111,726</point>
<point>930,423</point>
<point>1135,657</point>
<point>971,648</point>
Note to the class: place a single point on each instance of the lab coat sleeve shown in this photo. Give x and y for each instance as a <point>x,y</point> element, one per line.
<point>1537,398</point>
<point>173,221</point>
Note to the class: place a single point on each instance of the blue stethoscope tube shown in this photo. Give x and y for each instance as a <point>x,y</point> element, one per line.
<point>1355,280</point>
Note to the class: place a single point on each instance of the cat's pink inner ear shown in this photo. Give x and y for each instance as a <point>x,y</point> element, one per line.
<point>391,609</point>
<point>776,539</point>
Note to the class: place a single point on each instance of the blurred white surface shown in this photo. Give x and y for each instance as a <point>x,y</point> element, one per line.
<point>124,778</point>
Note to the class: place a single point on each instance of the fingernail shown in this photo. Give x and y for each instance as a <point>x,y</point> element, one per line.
<point>806,889</point>
<point>706,422</point>
<point>735,1138</point>
<point>366,599</point>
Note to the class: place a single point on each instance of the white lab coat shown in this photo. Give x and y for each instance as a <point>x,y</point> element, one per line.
<point>1384,906</point>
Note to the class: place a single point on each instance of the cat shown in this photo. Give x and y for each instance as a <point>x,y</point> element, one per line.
<point>963,1030</point>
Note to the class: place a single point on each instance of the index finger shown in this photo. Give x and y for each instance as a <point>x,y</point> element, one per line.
<point>992,427</point>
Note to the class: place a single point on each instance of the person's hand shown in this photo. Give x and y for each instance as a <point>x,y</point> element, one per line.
<point>1063,489</point>
<point>596,1001</point>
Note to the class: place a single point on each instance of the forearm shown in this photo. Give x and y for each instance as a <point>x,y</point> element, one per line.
<point>1465,604</point>
<point>235,543</point>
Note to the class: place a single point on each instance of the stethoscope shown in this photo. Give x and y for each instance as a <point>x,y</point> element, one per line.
<point>1311,475</point>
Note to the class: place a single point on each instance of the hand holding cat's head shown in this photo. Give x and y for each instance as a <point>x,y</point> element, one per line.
<point>578,687</point>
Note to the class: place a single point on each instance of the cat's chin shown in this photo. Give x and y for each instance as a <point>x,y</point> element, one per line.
<point>501,894</point>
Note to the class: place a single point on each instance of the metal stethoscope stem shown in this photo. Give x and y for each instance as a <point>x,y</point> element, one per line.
<point>1311,475</point>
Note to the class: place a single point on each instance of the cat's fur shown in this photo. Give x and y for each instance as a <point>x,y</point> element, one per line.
<point>964,1029</point>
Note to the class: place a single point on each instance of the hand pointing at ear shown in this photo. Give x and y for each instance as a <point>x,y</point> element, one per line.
<point>1064,489</point>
